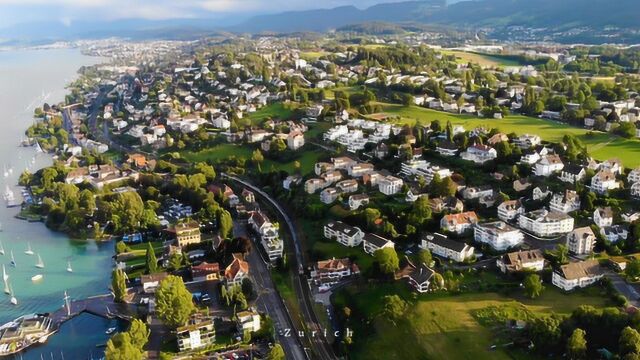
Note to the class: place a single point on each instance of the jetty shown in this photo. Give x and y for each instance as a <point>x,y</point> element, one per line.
<point>18,335</point>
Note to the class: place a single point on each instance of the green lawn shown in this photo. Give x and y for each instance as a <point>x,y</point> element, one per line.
<point>601,146</point>
<point>274,111</point>
<point>307,158</point>
<point>439,326</point>
<point>485,60</point>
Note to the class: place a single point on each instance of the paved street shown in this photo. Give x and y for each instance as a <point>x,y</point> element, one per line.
<point>627,290</point>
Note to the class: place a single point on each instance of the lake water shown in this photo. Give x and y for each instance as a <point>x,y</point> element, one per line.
<point>27,79</point>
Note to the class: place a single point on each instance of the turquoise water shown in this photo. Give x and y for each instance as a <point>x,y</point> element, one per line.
<point>27,78</point>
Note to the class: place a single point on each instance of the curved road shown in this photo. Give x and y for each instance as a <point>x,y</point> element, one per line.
<point>320,346</point>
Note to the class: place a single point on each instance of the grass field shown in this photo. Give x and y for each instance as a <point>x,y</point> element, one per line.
<point>601,146</point>
<point>307,159</point>
<point>483,60</point>
<point>274,111</point>
<point>444,327</point>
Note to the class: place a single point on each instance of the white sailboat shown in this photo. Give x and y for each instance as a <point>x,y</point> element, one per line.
<point>7,290</point>
<point>37,277</point>
<point>10,170</point>
<point>5,170</point>
<point>38,147</point>
<point>13,300</point>
<point>1,248</point>
<point>29,251</point>
<point>5,276</point>
<point>69,268</point>
<point>40,263</point>
<point>13,260</point>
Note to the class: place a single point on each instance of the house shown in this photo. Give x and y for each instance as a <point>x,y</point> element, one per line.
<point>635,190</point>
<point>237,271</point>
<point>497,138</point>
<point>331,177</point>
<point>604,181</point>
<point>477,192</point>
<point>615,233</point>
<point>205,271</point>
<point>187,233</point>
<point>540,192</point>
<point>549,165</point>
<point>566,203</point>
<point>313,185</point>
<point>510,210</point>
<point>344,234</point>
<point>295,140</point>
<point>327,273</point>
<point>577,275</point>
<point>572,173</point>
<point>545,223</point>
<point>603,216</point>
<point>291,180</point>
<point>199,332</point>
<point>137,160</point>
<point>630,216</point>
<point>419,277</point>
<point>614,165</point>
<point>151,282</point>
<point>261,224</point>
<point>529,260</point>
<point>527,141</point>
<point>248,322</point>
<point>459,223</point>
<point>442,246</point>
<point>447,148</point>
<point>530,156</point>
<point>580,241</point>
<point>347,186</point>
<point>373,243</point>
<point>359,169</point>
<point>634,176</point>
<point>358,200</point>
<point>479,154</point>
<point>329,195</point>
<point>521,184</point>
<point>390,185</point>
<point>449,203</point>
<point>498,235</point>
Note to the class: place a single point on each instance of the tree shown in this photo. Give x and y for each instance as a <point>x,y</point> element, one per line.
<point>139,333</point>
<point>174,302</point>
<point>119,347</point>
<point>420,212</point>
<point>533,286</point>
<point>577,345</point>
<point>387,258</point>
<point>425,257</point>
<point>633,269</point>
<point>176,261</point>
<point>118,285</point>
<point>629,342</point>
<point>257,158</point>
<point>225,223</point>
<point>151,264</point>
<point>562,254</point>
<point>370,216</point>
<point>393,307</point>
<point>276,353</point>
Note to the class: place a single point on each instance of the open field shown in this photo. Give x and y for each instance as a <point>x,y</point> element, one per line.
<point>601,146</point>
<point>483,60</point>
<point>307,159</point>
<point>312,55</point>
<point>444,327</point>
<point>274,111</point>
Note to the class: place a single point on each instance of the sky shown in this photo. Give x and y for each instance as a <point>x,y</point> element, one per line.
<point>67,11</point>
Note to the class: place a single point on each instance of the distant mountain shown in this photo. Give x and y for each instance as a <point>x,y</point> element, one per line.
<point>327,19</point>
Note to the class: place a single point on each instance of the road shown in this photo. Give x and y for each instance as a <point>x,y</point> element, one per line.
<point>269,300</point>
<point>319,344</point>
<point>624,288</point>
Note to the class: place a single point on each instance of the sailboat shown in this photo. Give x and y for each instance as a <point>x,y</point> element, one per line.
<point>13,260</point>
<point>38,147</point>
<point>5,276</point>
<point>69,268</point>
<point>7,290</point>
<point>28,251</point>
<point>10,170</point>
<point>40,263</point>
<point>13,300</point>
<point>1,248</point>
<point>6,171</point>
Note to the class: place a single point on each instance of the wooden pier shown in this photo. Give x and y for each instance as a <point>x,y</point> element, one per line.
<point>101,305</point>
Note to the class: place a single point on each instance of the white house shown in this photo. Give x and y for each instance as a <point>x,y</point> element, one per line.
<point>527,141</point>
<point>615,233</point>
<point>572,173</point>
<point>604,181</point>
<point>479,154</point>
<point>459,223</point>
<point>529,260</point>
<point>510,210</point>
<point>444,247</point>
<point>329,195</point>
<point>566,203</point>
<point>548,165</point>
<point>580,241</point>
<point>546,223</point>
<point>390,185</point>
<point>634,176</point>
<point>577,275</point>
<point>295,140</point>
<point>603,216</point>
<point>373,243</point>
<point>498,235</point>
<point>344,234</point>
<point>358,200</point>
